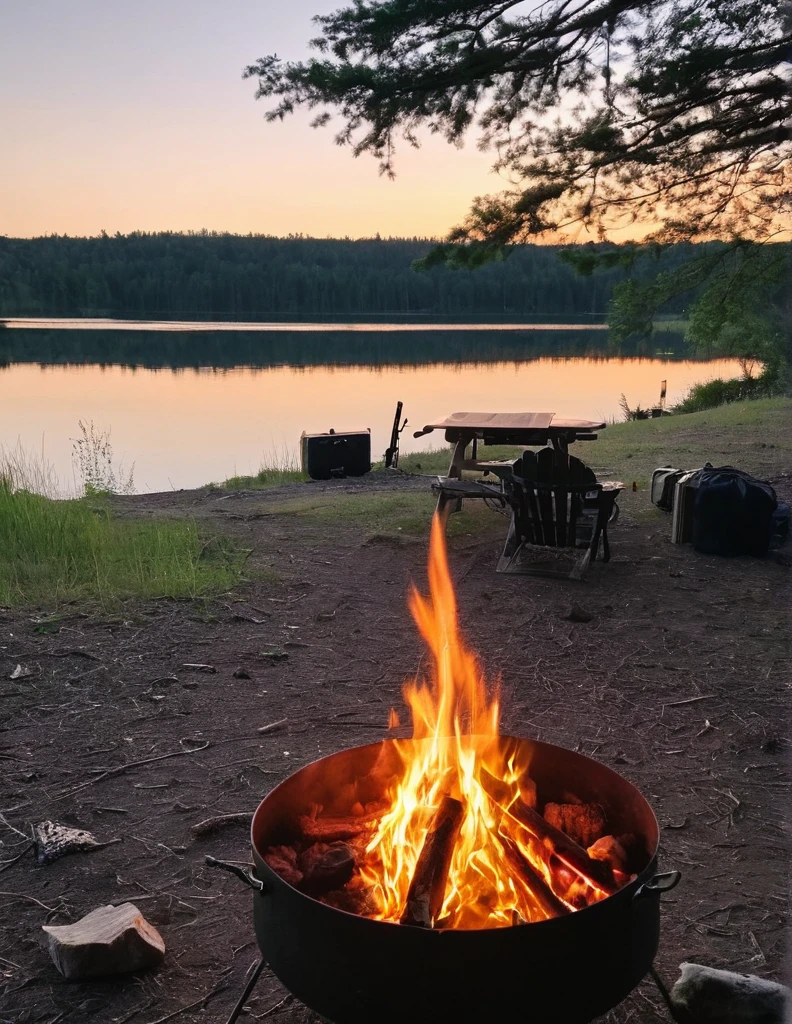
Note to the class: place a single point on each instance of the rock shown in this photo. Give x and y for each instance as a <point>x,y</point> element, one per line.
<point>720,997</point>
<point>241,673</point>
<point>109,940</point>
<point>190,686</point>
<point>578,614</point>
<point>22,672</point>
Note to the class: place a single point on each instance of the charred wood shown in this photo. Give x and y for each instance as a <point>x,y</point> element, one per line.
<point>325,866</point>
<point>283,861</point>
<point>427,888</point>
<point>332,830</point>
<point>595,872</point>
<point>584,823</point>
<point>550,904</point>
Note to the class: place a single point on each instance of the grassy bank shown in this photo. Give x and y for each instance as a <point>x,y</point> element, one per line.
<point>756,436</point>
<point>634,449</point>
<point>59,551</point>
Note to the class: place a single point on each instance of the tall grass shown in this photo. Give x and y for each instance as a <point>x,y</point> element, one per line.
<point>283,468</point>
<point>54,551</point>
<point>25,470</point>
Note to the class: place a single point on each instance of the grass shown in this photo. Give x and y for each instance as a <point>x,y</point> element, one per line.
<point>282,469</point>
<point>264,478</point>
<point>754,435</point>
<point>393,515</point>
<point>72,550</point>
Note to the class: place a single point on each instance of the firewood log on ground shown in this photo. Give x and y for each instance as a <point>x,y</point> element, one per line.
<point>109,940</point>
<point>704,995</point>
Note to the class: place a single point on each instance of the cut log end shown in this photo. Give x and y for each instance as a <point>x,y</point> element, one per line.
<point>109,940</point>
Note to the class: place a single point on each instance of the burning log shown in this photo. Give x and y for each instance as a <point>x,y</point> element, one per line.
<point>333,830</point>
<point>427,888</point>
<point>584,823</point>
<point>596,872</point>
<point>550,904</point>
<point>610,850</point>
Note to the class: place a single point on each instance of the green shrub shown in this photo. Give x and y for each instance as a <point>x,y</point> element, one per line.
<point>712,393</point>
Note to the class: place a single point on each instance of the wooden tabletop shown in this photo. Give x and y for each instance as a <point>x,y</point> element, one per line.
<point>480,424</point>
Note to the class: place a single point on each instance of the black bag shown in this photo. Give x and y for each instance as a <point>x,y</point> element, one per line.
<point>781,518</point>
<point>733,513</point>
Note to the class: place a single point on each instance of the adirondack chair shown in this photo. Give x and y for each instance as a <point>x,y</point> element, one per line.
<point>558,509</point>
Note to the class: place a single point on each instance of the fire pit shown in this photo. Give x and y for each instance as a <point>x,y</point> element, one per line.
<point>459,875</point>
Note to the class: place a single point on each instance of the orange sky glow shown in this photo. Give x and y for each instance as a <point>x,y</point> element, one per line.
<point>123,117</point>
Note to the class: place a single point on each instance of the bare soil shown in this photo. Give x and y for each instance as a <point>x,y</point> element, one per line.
<point>680,681</point>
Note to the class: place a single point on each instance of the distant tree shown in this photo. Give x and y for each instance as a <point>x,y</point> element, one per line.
<point>675,116</point>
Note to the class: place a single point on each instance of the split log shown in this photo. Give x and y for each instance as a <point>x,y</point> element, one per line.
<point>332,830</point>
<point>584,823</point>
<point>427,888</point>
<point>550,904</point>
<point>325,866</point>
<point>596,872</point>
<point>109,940</point>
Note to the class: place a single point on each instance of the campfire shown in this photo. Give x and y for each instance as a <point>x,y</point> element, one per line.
<point>450,829</point>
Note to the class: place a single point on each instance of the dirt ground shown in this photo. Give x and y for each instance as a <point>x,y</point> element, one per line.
<point>680,681</point>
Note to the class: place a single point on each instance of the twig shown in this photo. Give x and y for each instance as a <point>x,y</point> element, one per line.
<point>24,896</point>
<point>690,700</point>
<point>192,1006</point>
<point>286,1001</point>
<point>134,1013</point>
<point>205,828</point>
<point>273,725</point>
<point>6,864</point>
<point>251,984</point>
<point>131,764</point>
<point>9,826</point>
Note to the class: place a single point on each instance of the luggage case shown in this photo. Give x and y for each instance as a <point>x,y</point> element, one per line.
<point>325,456</point>
<point>664,481</point>
<point>682,512</point>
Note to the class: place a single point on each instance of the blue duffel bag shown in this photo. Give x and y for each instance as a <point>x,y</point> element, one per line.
<point>733,513</point>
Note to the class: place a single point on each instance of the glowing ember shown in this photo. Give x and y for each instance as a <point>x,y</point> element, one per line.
<point>504,869</point>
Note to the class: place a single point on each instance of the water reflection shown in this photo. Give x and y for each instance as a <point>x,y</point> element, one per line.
<point>212,417</point>
<point>383,346</point>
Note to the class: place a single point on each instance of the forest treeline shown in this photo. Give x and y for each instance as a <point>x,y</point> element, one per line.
<point>204,273</point>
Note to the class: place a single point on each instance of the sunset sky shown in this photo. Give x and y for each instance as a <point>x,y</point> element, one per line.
<point>119,116</point>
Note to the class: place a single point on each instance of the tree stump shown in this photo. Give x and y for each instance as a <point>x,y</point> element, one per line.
<point>109,940</point>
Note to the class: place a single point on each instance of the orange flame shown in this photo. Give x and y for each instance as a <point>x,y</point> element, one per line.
<point>456,751</point>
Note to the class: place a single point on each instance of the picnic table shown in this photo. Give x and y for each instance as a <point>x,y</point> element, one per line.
<point>556,501</point>
<point>530,429</point>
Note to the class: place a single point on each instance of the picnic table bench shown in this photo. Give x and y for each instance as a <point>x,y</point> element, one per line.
<point>557,504</point>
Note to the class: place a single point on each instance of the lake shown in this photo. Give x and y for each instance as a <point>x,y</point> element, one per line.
<point>191,403</point>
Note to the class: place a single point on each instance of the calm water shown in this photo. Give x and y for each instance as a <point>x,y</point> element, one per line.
<point>191,407</point>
